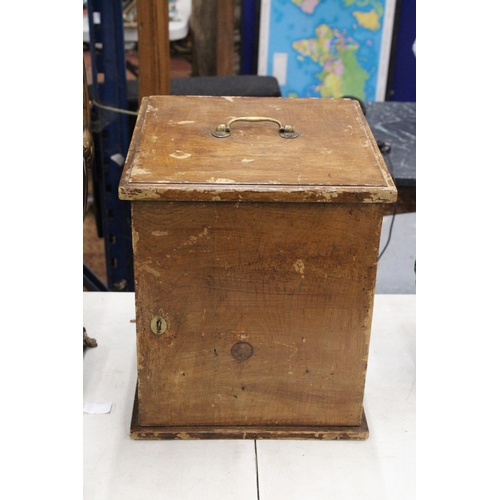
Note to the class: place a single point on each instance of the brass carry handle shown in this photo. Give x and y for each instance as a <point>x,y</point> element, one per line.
<point>285,131</point>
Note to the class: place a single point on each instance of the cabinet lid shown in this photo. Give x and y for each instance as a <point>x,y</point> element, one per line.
<point>329,156</point>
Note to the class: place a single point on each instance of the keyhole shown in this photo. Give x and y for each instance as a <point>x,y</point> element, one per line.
<point>158,325</point>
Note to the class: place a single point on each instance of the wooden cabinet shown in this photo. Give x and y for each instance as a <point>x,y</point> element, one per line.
<point>255,258</point>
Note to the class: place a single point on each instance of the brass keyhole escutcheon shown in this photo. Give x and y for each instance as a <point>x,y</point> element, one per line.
<point>241,351</point>
<point>158,325</point>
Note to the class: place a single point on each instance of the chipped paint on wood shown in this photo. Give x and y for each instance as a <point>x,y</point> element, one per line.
<point>327,196</point>
<point>150,270</point>
<point>186,435</point>
<point>384,196</point>
<point>138,194</point>
<point>135,237</point>
<point>221,180</point>
<point>140,171</point>
<point>228,190</point>
<point>194,239</point>
<point>299,267</point>
<point>180,155</point>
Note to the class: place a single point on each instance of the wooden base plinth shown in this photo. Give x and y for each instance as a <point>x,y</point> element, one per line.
<point>246,432</point>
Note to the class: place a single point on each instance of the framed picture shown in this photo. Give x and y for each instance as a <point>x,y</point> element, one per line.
<point>327,48</point>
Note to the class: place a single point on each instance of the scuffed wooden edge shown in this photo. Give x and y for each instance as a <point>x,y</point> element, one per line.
<point>129,160</point>
<point>207,192</point>
<point>255,193</point>
<point>355,433</point>
<point>391,187</point>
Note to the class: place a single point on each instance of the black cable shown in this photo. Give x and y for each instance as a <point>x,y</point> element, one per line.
<point>390,231</point>
<point>385,149</point>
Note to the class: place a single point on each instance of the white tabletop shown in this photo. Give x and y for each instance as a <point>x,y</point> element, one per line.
<point>117,467</point>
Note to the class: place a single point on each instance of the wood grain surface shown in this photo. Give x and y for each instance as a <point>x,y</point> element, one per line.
<point>255,261</point>
<point>295,281</point>
<point>225,37</point>
<point>174,156</point>
<point>154,47</point>
<point>326,433</point>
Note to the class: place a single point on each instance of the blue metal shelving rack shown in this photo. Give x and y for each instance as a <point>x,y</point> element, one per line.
<point>250,13</point>
<point>111,133</point>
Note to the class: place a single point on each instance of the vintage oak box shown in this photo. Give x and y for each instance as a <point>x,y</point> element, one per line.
<point>256,227</point>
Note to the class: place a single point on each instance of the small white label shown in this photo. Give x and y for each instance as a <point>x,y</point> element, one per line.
<point>118,159</point>
<point>280,63</point>
<point>96,17</point>
<point>96,408</point>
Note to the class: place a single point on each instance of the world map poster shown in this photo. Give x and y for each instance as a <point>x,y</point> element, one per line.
<point>327,48</point>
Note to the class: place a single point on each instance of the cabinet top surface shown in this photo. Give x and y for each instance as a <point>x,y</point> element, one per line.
<point>175,155</point>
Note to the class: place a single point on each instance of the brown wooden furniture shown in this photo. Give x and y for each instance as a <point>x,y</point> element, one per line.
<point>213,38</point>
<point>154,47</point>
<point>212,28</point>
<point>255,265</point>
<point>225,37</point>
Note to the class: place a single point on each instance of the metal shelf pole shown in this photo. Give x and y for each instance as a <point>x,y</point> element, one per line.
<point>111,134</point>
